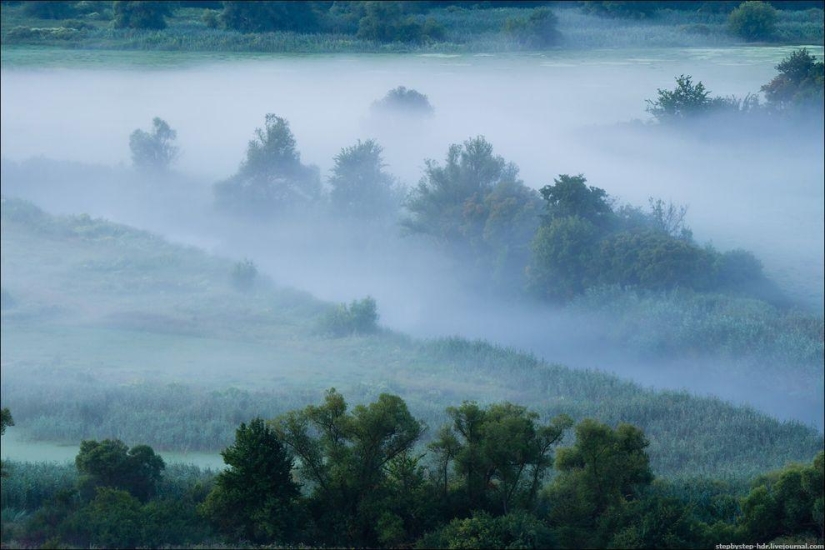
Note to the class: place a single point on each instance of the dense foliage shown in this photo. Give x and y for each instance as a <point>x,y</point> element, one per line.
<point>325,475</point>
<point>753,20</point>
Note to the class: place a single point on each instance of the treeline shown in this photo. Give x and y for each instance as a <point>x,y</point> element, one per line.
<point>327,475</point>
<point>555,244</point>
<point>531,25</point>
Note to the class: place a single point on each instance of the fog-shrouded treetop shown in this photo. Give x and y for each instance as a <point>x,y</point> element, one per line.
<point>155,151</point>
<point>360,186</point>
<point>402,100</point>
<point>271,178</point>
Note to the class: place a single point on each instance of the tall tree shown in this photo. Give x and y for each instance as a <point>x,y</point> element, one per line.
<point>347,458</point>
<point>360,186</point>
<point>254,497</point>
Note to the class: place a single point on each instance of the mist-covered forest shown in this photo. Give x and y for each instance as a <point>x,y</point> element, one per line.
<point>412,274</point>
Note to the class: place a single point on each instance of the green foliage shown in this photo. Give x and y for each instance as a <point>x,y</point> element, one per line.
<point>360,186</point>
<point>110,463</point>
<point>350,459</point>
<point>538,30</point>
<point>622,9</point>
<point>389,22</point>
<point>570,196</point>
<point>141,15</point>
<point>360,317</point>
<point>49,9</point>
<point>753,20</point>
<point>499,454</point>
<point>686,101</point>
<point>476,208</point>
<point>564,253</point>
<point>602,471</point>
<point>155,151</point>
<point>266,16</point>
<point>515,530</point>
<point>800,82</point>
<point>114,519</point>
<point>244,275</point>
<point>271,178</point>
<point>787,503</point>
<point>254,498</point>
<point>403,101</point>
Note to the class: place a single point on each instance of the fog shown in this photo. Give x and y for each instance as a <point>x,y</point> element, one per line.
<point>553,113</point>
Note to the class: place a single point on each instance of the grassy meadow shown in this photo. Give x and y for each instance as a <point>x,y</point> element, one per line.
<point>114,332</point>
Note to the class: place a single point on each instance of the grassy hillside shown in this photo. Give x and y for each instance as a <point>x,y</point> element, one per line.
<point>112,332</point>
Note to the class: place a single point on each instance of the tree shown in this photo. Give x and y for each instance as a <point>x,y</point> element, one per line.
<point>605,469</point>
<point>753,20</point>
<point>389,22</point>
<point>110,463</point>
<point>360,187</point>
<point>476,208</point>
<point>787,503</point>
<point>265,16</point>
<point>49,9</point>
<point>570,196</point>
<point>347,459</point>
<point>155,151</point>
<point>142,15</point>
<point>800,82</point>
<point>686,101</point>
<point>5,421</point>
<point>271,178</point>
<point>254,497</point>
<point>499,454</point>
<point>539,30</point>
<point>404,101</point>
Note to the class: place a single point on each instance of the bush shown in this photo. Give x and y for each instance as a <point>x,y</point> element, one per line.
<point>49,9</point>
<point>753,20</point>
<point>406,101</point>
<point>360,317</point>
<point>244,275</point>
<point>142,15</point>
<point>537,31</point>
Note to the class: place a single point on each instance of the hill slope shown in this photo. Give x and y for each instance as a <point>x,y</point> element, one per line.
<point>112,332</point>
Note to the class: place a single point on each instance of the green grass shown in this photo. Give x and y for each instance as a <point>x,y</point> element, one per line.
<point>113,332</point>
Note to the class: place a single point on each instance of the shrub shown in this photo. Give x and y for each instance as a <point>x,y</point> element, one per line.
<point>753,20</point>
<point>244,275</point>
<point>360,317</point>
<point>406,101</point>
<point>141,15</point>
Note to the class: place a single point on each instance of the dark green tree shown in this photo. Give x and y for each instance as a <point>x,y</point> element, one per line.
<point>753,20</point>
<point>114,519</point>
<point>604,470</point>
<point>800,82</point>
<point>787,503</point>
<point>110,463</point>
<point>538,30</point>
<point>360,186</point>
<point>141,15</point>
<point>347,459</point>
<point>265,16</point>
<point>254,498</point>
<point>154,151</point>
<point>571,196</point>
<point>499,455</point>
<point>271,178</point>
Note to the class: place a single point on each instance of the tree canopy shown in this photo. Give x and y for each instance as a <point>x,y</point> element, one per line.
<point>154,151</point>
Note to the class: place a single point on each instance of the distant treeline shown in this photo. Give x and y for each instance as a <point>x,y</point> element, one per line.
<point>328,475</point>
<point>365,26</point>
